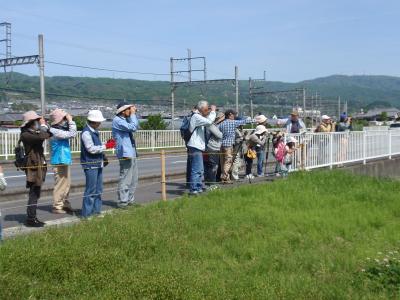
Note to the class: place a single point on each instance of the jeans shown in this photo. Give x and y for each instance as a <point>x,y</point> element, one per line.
<point>196,169</point>
<point>260,160</point>
<point>188,169</point>
<point>128,179</point>
<point>34,195</point>
<point>94,188</point>
<point>211,163</point>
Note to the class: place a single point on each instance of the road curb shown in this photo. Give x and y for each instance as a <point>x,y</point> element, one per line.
<point>13,194</point>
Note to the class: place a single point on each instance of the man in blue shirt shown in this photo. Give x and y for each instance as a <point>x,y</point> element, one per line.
<point>124,124</point>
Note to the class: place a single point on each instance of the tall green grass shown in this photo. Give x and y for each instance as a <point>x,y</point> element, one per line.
<point>302,238</point>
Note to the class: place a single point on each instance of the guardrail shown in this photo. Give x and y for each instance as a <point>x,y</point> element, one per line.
<point>318,149</point>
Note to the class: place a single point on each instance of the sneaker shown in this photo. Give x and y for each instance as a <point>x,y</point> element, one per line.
<point>194,193</point>
<point>260,175</point>
<point>34,223</point>
<point>235,177</point>
<point>58,211</point>
<point>249,176</point>
<point>68,209</point>
<point>213,187</point>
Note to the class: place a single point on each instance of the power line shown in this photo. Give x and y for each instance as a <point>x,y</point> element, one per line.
<point>77,96</point>
<point>105,69</point>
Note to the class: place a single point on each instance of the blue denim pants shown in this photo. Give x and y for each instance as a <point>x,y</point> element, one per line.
<point>260,160</point>
<point>196,169</point>
<point>91,203</point>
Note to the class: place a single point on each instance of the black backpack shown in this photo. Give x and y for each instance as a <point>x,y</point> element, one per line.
<point>20,156</point>
<point>186,134</point>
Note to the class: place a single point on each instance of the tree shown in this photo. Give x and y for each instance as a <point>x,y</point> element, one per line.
<point>154,122</point>
<point>384,116</point>
<point>80,122</point>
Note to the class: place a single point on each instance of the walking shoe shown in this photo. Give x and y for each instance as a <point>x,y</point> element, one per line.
<point>235,177</point>
<point>60,211</point>
<point>249,176</point>
<point>260,175</point>
<point>194,193</point>
<point>68,209</point>
<point>34,223</point>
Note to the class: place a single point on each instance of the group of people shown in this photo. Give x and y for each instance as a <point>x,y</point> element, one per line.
<point>58,131</point>
<point>217,145</point>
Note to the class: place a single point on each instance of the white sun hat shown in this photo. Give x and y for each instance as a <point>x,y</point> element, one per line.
<point>95,116</point>
<point>292,140</point>
<point>325,117</point>
<point>260,119</point>
<point>260,129</point>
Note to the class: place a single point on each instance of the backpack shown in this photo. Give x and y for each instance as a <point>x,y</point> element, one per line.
<point>20,156</point>
<point>280,152</point>
<point>186,134</point>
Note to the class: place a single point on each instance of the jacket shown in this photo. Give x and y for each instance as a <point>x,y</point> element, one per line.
<point>323,127</point>
<point>122,131</point>
<point>288,125</point>
<point>197,124</point>
<point>214,138</point>
<point>254,140</point>
<point>92,155</point>
<point>59,144</point>
<point>36,163</point>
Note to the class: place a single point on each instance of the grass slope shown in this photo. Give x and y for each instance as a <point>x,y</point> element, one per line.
<point>304,238</point>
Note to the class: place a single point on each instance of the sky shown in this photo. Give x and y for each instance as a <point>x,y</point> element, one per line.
<point>292,40</point>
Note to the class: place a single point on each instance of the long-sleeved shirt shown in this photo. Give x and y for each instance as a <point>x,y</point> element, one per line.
<point>88,143</point>
<point>197,124</point>
<point>214,138</point>
<point>64,134</point>
<point>290,127</point>
<point>228,127</point>
<point>122,131</point>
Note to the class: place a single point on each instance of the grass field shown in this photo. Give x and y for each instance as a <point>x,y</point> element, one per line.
<point>308,237</point>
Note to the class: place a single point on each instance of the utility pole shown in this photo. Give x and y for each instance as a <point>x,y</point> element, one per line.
<point>41,71</point>
<point>7,41</point>
<point>339,108</point>
<point>237,88</point>
<point>251,97</point>
<point>190,64</point>
<point>172,93</point>
<point>304,100</point>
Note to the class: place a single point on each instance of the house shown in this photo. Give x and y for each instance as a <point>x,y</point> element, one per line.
<point>375,114</point>
<point>10,121</point>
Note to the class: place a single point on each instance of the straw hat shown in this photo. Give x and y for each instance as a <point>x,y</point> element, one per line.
<point>29,116</point>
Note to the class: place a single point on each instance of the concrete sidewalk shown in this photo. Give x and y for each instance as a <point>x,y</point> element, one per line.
<point>14,212</point>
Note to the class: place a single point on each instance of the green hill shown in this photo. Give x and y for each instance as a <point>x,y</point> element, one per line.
<point>360,91</point>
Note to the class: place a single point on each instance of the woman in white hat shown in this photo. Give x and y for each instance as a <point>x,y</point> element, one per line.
<point>326,125</point>
<point>34,131</point>
<point>92,160</point>
<point>256,139</point>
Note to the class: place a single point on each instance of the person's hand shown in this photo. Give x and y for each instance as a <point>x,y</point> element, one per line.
<point>133,109</point>
<point>110,144</point>
<point>68,117</point>
<point>42,121</point>
<point>213,108</point>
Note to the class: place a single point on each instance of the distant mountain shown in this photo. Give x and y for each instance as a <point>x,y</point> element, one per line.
<point>361,91</point>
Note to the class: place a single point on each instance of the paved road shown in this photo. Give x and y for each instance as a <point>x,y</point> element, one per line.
<point>147,166</point>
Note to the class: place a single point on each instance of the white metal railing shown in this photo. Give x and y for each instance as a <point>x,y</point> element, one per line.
<point>319,149</point>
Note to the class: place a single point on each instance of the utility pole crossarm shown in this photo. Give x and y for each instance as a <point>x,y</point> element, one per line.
<point>21,60</point>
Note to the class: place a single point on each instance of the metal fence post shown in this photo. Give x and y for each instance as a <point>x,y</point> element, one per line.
<point>331,151</point>
<point>152,140</point>
<point>364,147</point>
<point>163,183</point>
<point>6,143</point>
